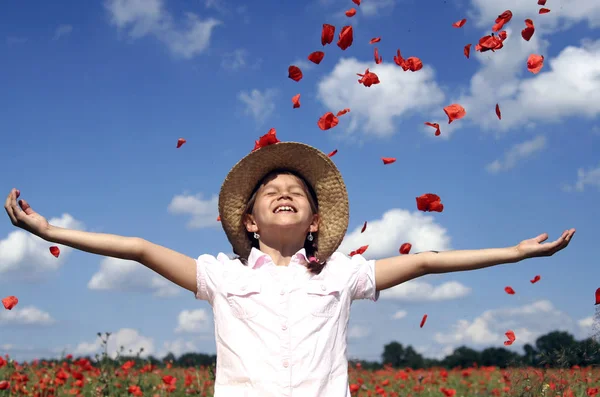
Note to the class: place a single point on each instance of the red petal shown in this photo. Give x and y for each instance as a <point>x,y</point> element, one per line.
<point>9,302</point>
<point>509,290</point>
<point>296,101</point>
<point>541,2</point>
<point>598,296</point>
<point>535,279</point>
<point>511,338</point>
<point>359,251</point>
<point>460,23</point>
<point>332,153</point>
<point>368,79</point>
<point>454,112</point>
<point>467,50</point>
<point>346,37</point>
<point>388,160</point>
<point>357,2</point>
<point>544,10</point>
<point>535,63</point>
<point>351,12</point>
<point>269,138</point>
<point>375,40</point>
<point>378,58</point>
<point>316,57</point>
<point>502,19</point>
<point>342,112</point>
<point>327,34</point>
<point>54,250</point>
<point>423,321</point>
<point>429,202</point>
<point>498,112</point>
<point>528,31</point>
<point>405,248</point>
<point>436,126</point>
<point>294,73</point>
<point>219,218</point>
<point>180,142</point>
<point>364,227</point>
<point>327,121</point>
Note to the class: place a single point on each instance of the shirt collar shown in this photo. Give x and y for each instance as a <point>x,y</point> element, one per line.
<point>257,258</point>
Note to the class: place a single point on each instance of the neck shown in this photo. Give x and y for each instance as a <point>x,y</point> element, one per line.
<point>281,254</point>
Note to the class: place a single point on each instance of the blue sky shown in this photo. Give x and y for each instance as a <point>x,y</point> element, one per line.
<point>94,98</point>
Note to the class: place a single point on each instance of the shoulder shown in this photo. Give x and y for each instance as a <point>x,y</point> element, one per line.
<point>221,262</point>
<point>340,263</point>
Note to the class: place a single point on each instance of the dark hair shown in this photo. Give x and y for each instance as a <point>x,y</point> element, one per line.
<point>315,265</point>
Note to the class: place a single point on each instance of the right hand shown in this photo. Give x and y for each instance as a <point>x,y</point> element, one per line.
<point>25,217</point>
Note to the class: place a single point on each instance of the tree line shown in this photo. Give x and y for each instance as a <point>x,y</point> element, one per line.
<point>557,349</point>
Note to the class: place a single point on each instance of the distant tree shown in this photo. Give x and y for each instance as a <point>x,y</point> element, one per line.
<point>499,357</point>
<point>462,357</point>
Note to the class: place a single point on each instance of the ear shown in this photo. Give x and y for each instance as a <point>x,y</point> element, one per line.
<point>250,224</point>
<point>314,225</point>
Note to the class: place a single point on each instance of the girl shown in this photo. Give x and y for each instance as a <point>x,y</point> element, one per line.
<point>281,309</point>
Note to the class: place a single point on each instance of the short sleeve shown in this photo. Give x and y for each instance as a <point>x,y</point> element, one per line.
<point>362,278</point>
<point>208,274</point>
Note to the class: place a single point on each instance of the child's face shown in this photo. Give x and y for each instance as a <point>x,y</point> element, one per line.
<point>282,202</point>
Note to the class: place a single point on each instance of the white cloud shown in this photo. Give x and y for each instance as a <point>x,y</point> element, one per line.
<point>129,338</point>
<point>586,323</point>
<point>26,255</point>
<point>204,212</point>
<point>399,314</point>
<point>192,321</point>
<point>591,178</point>
<point>62,30</point>
<point>124,275</point>
<point>259,105</point>
<point>375,109</point>
<point>397,226</point>
<point>484,13</point>
<point>528,323</point>
<point>235,60</point>
<point>419,291</point>
<point>177,347</point>
<point>516,153</point>
<point>29,315</point>
<point>145,17</point>
<point>376,7</point>
<point>566,86</point>
<point>358,331</point>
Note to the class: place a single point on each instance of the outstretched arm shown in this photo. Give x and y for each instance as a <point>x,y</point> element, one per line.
<point>396,270</point>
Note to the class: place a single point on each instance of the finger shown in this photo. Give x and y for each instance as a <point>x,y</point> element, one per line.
<point>26,207</point>
<point>542,237</point>
<point>9,209</point>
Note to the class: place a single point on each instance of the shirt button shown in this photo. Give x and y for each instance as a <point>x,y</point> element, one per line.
<point>284,327</point>
<point>243,288</point>
<point>286,364</point>
<point>282,292</point>
<point>323,288</point>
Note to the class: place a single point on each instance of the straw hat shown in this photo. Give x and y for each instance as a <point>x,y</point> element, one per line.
<point>318,170</point>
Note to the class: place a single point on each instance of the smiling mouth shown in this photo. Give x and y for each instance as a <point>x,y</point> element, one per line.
<point>284,208</point>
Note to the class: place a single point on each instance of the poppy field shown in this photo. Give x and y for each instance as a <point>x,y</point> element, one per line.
<point>83,377</point>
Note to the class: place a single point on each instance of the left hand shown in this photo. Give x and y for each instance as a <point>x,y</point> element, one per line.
<point>533,248</point>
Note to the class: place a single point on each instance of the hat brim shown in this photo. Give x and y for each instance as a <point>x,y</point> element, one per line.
<point>313,165</point>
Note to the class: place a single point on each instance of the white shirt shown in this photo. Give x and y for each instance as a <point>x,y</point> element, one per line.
<point>281,331</point>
